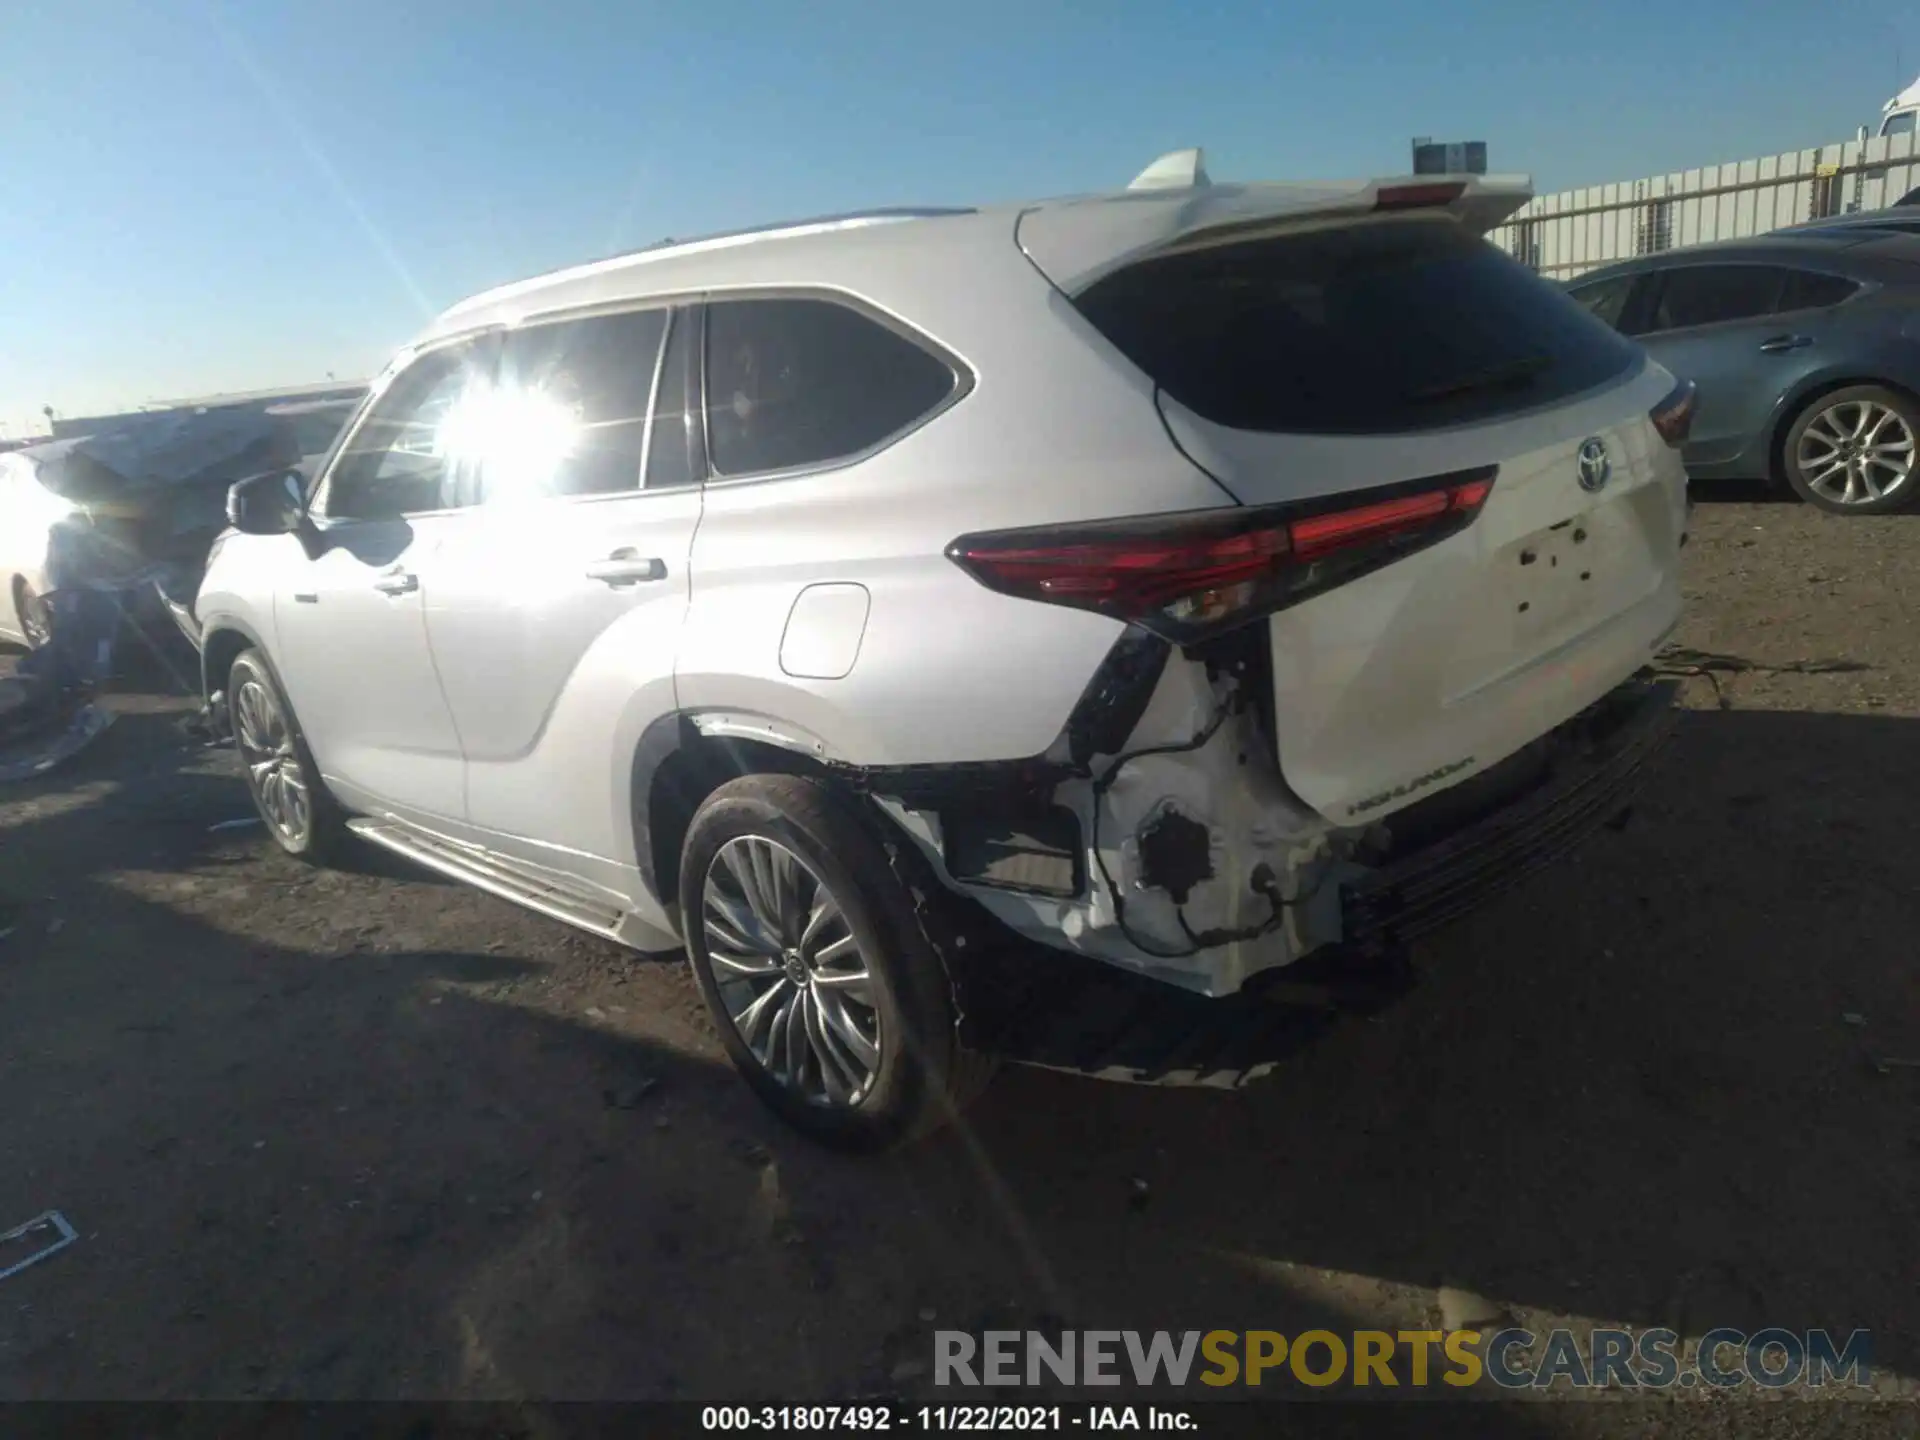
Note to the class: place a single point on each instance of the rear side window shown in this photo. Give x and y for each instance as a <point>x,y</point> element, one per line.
<point>1713,294</point>
<point>1605,300</point>
<point>1810,290</point>
<point>797,382</point>
<point>1371,329</point>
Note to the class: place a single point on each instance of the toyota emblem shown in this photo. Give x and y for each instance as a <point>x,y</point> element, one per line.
<point>1595,468</point>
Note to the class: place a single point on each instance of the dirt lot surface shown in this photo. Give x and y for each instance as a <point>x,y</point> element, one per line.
<point>361,1134</point>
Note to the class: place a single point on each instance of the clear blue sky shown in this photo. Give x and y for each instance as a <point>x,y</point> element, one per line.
<point>201,195</point>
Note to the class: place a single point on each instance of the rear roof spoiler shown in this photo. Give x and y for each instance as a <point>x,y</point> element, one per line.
<point>1173,206</point>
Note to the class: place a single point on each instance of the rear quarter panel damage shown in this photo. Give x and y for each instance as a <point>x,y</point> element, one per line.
<point>1229,785</point>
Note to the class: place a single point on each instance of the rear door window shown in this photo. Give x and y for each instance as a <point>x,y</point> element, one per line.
<point>1694,295</point>
<point>1605,300</point>
<point>804,382</point>
<point>1379,328</point>
<point>1811,290</point>
<point>568,415</point>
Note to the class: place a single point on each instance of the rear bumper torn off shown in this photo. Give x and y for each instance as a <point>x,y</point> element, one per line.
<point>1070,1012</point>
<point>1599,760</point>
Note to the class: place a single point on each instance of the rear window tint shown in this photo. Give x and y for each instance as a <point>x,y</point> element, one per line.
<point>1605,300</point>
<point>1369,329</point>
<point>1809,290</point>
<point>792,383</point>
<point>1693,295</point>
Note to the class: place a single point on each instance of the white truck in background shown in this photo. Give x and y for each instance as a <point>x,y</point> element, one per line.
<point>1899,115</point>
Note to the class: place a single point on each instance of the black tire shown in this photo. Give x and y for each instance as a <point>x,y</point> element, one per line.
<point>922,1077</point>
<point>249,682</point>
<point>1838,412</point>
<point>34,614</point>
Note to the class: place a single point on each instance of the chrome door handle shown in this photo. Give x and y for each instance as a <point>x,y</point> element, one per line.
<point>623,567</point>
<point>404,583</point>
<point>1781,343</point>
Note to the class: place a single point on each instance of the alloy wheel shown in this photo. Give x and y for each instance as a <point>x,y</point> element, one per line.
<point>1856,452</point>
<point>790,971</point>
<point>274,771</point>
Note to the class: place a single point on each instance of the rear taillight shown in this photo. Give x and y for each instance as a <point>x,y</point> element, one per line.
<point>1673,416</point>
<point>1417,197</point>
<point>1190,576</point>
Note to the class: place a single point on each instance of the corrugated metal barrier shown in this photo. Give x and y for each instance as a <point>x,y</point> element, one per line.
<point>1563,234</point>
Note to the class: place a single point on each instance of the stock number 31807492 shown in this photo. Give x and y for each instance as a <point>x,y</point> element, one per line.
<point>835,1418</point>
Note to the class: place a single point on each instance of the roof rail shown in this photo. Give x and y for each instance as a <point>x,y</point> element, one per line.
<point>694,242</point>
<point>1176,170</point>
<point>898,212</point>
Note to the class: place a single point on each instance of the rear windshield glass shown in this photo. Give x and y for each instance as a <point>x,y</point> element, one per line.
<point>1380,328</point>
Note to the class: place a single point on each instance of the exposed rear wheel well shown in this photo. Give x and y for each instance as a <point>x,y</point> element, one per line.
<point>1777,450</point>
<point>698,767</point>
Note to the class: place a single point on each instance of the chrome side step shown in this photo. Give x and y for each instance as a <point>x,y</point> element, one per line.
<point>492,873</point>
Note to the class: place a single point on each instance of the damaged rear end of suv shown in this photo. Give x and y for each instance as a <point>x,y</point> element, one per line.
<point>1402,664</point>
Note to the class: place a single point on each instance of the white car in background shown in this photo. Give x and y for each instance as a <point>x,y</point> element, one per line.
<point>140,503</point>
<point>27,512</point>
<point>308,429</point>
<point>1176,583</point>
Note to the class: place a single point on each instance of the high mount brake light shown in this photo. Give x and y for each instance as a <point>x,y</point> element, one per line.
<point>1673,416</point>
<point>1417,197</point>
<point>1190,576</point>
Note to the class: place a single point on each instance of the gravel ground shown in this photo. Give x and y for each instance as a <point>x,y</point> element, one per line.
<point>360,1134</point>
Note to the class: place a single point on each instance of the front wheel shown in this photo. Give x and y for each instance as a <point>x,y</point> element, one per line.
<point>828,995</point>
<point>285,784</point>
<point>1853,452</point>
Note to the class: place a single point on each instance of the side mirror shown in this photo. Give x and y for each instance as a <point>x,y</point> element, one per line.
<point>271,504</point>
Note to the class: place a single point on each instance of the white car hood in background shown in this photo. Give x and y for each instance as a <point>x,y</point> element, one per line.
<point>156,452</point>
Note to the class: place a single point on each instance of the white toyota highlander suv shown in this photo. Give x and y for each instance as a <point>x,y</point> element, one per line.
<point>895,611</point>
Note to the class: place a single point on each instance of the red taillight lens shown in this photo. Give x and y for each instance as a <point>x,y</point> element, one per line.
<point>1323,534</point>
<point>1417,197</point>
<point>1673,416</point>
<point>1189,576</point>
